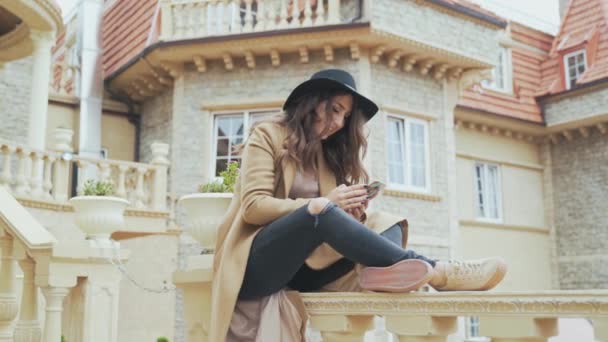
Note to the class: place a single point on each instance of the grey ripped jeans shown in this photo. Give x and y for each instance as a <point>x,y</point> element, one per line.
<point>278,252</point>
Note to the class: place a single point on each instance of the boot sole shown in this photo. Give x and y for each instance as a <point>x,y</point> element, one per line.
<point>501,270</point>
<point>404,276</point>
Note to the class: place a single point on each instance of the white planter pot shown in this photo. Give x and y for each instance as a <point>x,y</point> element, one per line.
<point>205,212</point>
<point>99,216</point>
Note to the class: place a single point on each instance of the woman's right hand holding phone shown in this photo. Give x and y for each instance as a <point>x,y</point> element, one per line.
<point>348,197</point>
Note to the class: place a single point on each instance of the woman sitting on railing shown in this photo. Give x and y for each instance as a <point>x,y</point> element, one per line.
<point>290,226</point>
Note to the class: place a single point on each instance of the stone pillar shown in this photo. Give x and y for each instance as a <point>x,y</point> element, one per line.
<point>43,42</point>
<point>54,307</point>
<point>28,328</point>
<point>101,292</point>
<point>512,329</point>
<point>160,154</point>
<point>451,94</point>
<point>8,297</point>
<point>422,328</point>
<point>62,142</point>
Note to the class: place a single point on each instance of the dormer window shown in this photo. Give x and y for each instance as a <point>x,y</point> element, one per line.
<point>501,74</point>
<point>575,64</point>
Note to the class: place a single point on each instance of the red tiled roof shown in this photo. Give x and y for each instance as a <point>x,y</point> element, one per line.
<point>126,27</point>
<point>584,26</point>
<point>526,66</point>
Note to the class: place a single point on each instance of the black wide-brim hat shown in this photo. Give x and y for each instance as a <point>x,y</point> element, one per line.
<point>333,79</point>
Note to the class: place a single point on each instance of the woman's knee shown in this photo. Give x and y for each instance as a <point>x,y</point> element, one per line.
<point>316,205</point>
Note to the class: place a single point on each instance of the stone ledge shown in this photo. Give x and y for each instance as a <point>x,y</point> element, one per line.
<point>488,224</point>
<point>410,194</point>
<point>513,304</point>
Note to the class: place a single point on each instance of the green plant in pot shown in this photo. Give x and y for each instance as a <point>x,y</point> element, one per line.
<point>98,212</point>
<point>204,210</point>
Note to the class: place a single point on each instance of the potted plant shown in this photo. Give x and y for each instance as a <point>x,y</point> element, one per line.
<point>206,208</point>
<point>98,213</point>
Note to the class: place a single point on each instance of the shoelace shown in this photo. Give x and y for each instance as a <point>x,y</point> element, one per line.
<point>464,269</point>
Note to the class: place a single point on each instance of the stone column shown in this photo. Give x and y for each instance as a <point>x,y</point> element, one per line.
<point>43,42</point>
<point>511,329</point>
<point>101,292</point>
<point>62,142</point>
<point>422,328</point>
<point>8,297</point>
<point>54,307</point>
<point>160,154</point>
<point>342,328</point>
<point>28,328</point>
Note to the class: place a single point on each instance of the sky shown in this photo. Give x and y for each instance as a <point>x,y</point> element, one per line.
<point>539,14</point>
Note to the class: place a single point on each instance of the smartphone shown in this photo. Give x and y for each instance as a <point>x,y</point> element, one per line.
<point>374,188</point>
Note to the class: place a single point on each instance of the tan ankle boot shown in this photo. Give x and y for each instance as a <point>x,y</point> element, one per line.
<point>472,275</point>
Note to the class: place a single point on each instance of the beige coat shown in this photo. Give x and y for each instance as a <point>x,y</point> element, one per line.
<point>260,197</point>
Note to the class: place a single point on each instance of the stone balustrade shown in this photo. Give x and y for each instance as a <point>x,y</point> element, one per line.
<point>201,18</point>
<point>53,268</point>
<point>48,175</point>
<point>418,316</point>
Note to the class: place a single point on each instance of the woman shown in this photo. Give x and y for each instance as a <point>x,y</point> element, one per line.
<point>291,226</point>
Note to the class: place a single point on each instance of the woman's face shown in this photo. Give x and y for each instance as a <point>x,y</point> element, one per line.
<point>328,123</point>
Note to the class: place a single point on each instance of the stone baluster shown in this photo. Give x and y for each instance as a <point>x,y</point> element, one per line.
<point>82,167</point>
<point>283,24</point>
<point>23,171</point>
<point>178,20</point>
<point>271,15</point>
<point>166,20</point>
<point>160,161</point>
<point>333,12</point>
<point>307,14</point>
<point>232,15</point>
<point>140,195</point>
<point>6,177</point>
<point>527,329</point>
<point>62,143</point>
<point>342,328</point>
<point>295,14</point>
<point>260,16</point>
<point>36,175</point>
<point>190,19</point>
<point>320,13</point>
<point>47,184</point>
<point>8,297</point>
<point>121,190</point>
<point>248,27</point>
<point>54,307</point>
<point>415,328</point>
<point>105,173</point>
<point>28,327</point>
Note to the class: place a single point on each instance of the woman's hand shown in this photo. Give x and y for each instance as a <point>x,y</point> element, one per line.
<point>349,197</point>
<point>358,213</point>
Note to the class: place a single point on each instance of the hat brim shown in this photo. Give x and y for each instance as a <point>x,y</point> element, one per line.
<point>367,106</point>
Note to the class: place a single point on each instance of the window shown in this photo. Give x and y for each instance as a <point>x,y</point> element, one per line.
<point>501,77</point>
<point>229,130</point>
<point>487,185</point>
<point>575,64</point>
<point>407,146</point>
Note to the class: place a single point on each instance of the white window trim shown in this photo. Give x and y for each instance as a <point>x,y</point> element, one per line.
<point>498,195</point>
<point>507,74</point>
<point>246,113</point>
<point>567,67</point>
<point>427,167</point>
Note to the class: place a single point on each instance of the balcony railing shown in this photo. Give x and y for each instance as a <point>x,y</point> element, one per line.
<point>203,18</point>
<point>48,175</point>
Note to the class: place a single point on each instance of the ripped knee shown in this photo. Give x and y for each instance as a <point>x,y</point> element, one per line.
<point>316,205</point>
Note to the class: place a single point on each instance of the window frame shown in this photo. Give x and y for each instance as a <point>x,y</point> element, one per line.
<point>499,192</point>
<point>567,67</point>
<point>246,115</point>
<point>507,71</point>
<point>407,171</point>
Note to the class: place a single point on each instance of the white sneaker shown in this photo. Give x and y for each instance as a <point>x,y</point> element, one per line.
<point>471,275</point>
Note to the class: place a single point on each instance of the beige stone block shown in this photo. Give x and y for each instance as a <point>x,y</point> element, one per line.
<point>514,328</point>
<point>406,326</point>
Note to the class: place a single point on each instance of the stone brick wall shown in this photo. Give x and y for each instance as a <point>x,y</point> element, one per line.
<point>437,28</point>
<point>156,123</point>
<point>576,107</point>
<point>415,93</point>
<point>15,84</point>
<point>580,180</point>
